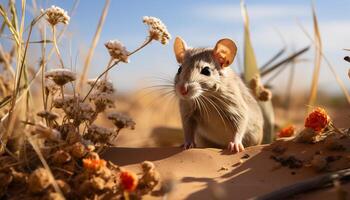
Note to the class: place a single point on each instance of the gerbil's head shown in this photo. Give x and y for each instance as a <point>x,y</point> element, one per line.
<point>200,69</point>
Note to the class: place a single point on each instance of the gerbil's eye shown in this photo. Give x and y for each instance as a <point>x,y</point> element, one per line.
<point>179,70</point>
<point>206,71</point>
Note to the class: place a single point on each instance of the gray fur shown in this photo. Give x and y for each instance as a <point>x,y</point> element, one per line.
<point>224,111</point>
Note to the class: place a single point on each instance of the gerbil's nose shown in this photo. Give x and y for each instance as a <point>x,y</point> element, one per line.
<point>183,89</point>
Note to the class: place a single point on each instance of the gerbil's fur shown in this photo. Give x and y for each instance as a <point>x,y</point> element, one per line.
<point>216,109</point>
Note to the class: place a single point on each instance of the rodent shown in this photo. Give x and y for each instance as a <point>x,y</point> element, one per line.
<point>216,107</point>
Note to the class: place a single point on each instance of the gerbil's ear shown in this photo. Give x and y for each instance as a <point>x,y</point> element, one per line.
<point>225,51</point>
<point>179,49</point>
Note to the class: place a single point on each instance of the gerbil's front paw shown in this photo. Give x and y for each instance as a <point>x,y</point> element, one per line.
<point>235,147</point>
<point>189,145</point>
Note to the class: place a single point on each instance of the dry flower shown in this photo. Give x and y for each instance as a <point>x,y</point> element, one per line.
<point>121,120</point>
<point>93,156</point>
<point>128,180</point>
<point>102,85</point>
<point>149,179</point>
<point>157,29</point>
<point>93,164</point>
<point>64,186</point>
<point>38,180</point>
<point>98,183</point>
<point>317,120</point>
<point>56,15</point>
<point>78,150</point>
<point>117,50</point>
<point>102,100</point>
<point>98,134</point>
<point>68,101</point>
<point>147,166</point>
<point>51,86</point>
<point>287,131</point>
<point>49,115</point>
<point>61,157</point>
<point>61,76</point>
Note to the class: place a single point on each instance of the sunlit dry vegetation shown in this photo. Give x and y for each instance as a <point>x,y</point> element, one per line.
<point>56,124</point>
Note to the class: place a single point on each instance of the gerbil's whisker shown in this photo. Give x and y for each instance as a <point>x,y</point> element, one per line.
<point>216,108</point>
<point>205,108</point>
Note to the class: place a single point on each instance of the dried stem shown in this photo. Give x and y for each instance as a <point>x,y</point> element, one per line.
<point>149,40</point>
<point>93,45</point>
<point>56,47</point>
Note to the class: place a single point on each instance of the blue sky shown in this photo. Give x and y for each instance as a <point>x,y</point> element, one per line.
<point>202,23</point>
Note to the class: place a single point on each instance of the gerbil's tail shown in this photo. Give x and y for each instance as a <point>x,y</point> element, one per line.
<point>269,121</point>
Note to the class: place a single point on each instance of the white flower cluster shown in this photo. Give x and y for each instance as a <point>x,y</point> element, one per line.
<point>157,29</point>
<point>56,15</point>
<point>117,50</point>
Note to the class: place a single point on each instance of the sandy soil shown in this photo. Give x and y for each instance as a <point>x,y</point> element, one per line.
<point>215,174</point>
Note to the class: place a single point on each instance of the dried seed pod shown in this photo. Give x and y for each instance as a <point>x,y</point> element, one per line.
<point>97,183</point>
<point>54,196</point>
<point>265,95</point>
<point>78,150</point>
<point>64,186</point>
<point>38,180</point>
<point>61,157</point>
<point>147,166</point>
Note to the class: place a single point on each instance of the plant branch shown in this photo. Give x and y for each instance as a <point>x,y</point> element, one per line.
<point>149,40</point>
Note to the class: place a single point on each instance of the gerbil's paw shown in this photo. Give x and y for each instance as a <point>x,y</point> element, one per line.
<point>188,145</point>
<point>235,147</point>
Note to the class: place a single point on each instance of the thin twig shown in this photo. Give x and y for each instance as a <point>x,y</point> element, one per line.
<point>288,59</point>
<point>149,40</point>
<point>93,44</point>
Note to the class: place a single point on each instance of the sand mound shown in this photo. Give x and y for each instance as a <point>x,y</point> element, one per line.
<point>213,173</point>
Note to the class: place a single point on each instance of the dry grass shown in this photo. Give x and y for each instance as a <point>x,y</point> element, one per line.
<point>62,160</point>
<point>52,149</point>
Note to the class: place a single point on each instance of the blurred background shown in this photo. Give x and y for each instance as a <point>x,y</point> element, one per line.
<point>274,26</point>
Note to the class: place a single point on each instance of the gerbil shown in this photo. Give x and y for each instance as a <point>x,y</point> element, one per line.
<point>217,109</point>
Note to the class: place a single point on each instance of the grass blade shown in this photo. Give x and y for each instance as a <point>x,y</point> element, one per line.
<point>318,53</point>
<point>275,57</point>
<point>330,66</point>
<point>281,63</point>
<point>250,64</point>
<point>250,70</point>
<point>93,45</point>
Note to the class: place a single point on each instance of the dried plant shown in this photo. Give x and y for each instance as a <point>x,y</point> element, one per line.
<point>62,143</point>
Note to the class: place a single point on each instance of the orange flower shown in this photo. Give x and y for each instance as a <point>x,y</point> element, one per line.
<point>128,180</point>
<point>287,131</point>
<point>317,120</point>
<point>93,164</point>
